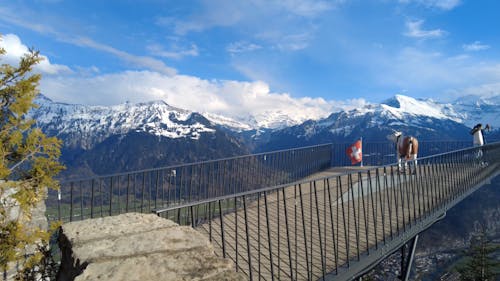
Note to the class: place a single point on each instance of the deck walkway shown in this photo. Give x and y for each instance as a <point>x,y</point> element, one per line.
<point>304,231</point>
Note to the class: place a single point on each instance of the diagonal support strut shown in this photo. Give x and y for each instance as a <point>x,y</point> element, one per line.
<point>407,258</point>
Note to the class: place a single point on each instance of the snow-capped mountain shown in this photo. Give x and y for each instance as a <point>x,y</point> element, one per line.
<point>402,107</point>
<point>95,136</point>
<point>425,119</point>
<point>93,124</point>
<point>229,123</point>
<point>268,120</point>
<point>131,136</point>
<point>476,109</point>
<point>468,110</point>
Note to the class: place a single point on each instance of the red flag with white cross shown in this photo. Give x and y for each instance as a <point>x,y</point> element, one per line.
<point>355,152</point>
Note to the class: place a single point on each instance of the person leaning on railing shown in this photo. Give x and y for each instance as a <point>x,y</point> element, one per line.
<point>478,140</point>
<point>478,134</point>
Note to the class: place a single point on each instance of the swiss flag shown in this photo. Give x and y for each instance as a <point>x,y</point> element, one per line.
<point>355,152</point>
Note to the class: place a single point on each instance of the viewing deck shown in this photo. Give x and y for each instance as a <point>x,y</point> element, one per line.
<point>290,215</point>
<point>337,223</point>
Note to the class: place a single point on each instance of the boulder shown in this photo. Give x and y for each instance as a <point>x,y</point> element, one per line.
<point>136,246</point>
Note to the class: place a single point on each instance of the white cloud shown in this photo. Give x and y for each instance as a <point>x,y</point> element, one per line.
<point>176,52</point>
<point>285,25</point>
<point>440,4</point>
<point>486,91</point>
<point>82,41</point>
<point>445,4</point>
<point>49,1</point>
<point>216,13</point>
<point>475,46</point>
<point>234,99</point>
<point>227,13</point>
<point>15,49</point>
<point>414,29</point>
<point>294,42</point>
<point>286,41</point>
<point>242,47</point>
<point>305,8</point>
<point>434,73</point>
<point>140,61</point>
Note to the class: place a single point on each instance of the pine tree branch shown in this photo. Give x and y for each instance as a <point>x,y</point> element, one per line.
<point>26,158</point>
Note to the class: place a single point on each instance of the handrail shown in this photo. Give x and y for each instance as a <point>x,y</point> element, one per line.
<point>170,167</point>
<point>335,227</point>
<point>177,185</point>
<point>146,189</point>
<point>302,181</point>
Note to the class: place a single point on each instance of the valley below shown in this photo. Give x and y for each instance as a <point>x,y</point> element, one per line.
<point>443,246</point>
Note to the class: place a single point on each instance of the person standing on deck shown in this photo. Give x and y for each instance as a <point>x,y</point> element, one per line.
<point>478,141</point>
<point>477,134</point>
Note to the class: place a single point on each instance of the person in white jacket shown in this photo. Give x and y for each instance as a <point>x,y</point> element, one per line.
<point>477,134</point>
<point>478,141</point>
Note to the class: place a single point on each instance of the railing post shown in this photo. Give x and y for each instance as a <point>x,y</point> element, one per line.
<point>92,199</point>
<point>250,269</point>
<point>111,197</point>
<point>71,202</point>
<point>360,184</point>
<point>287,234</point>
<point>128,192</point>
<point>389,202</point>
<point>309,273</point>
<point>269,236</point>
<point>323,264</point>
<point>374,207</point>
<point>222,230</point>
<point>382,209</point>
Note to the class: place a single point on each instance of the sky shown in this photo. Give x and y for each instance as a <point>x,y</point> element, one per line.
<point>251,57</point>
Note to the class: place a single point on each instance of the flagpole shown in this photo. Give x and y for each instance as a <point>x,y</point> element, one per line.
<point>361,151</point>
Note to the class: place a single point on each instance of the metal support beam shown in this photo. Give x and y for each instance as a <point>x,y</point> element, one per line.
<point>407,258</point>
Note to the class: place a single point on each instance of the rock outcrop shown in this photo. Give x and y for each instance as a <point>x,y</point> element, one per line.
<point>137,246</point>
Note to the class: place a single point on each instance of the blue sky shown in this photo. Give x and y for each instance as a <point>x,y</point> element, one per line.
<point>238,57</point>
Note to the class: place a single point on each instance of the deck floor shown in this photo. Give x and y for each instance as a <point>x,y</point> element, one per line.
<point>306,230</point>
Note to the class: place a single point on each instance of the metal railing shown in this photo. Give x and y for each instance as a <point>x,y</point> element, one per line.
<point>382,153</point>
<point>143,191</point>
<point>335,227</point>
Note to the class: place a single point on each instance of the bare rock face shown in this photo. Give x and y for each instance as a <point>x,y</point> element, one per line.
<point>137,246</point>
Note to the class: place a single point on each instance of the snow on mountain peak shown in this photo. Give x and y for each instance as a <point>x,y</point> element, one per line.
<point>478,109</point>
<point>234,125</point>
<point>160,119</point>
<point>157,118</point>
<point>401,105</point>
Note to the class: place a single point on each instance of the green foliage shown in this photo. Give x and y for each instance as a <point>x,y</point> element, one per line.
<point>480,264</point>
<point>28,162</point>
<point>42,265</point>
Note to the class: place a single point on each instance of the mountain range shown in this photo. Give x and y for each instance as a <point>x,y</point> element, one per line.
<point>153,134</point>
<point>99,140</point>
<point>102,140</point>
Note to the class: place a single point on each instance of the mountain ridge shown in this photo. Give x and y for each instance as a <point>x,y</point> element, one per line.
<point>88,131</point>
<point>99,140</point>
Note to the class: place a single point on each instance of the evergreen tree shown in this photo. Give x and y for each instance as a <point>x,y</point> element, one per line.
<point>28,162</point>
<point>480,265</point>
